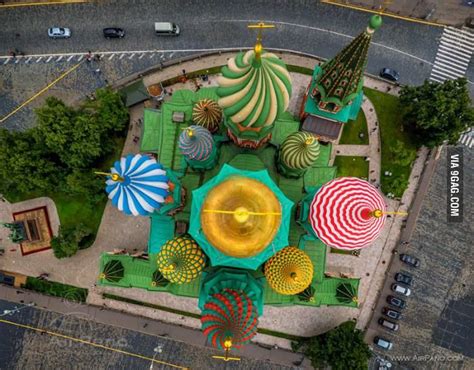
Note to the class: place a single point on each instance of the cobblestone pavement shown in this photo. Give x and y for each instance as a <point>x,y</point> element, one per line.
<point>103,346</point>
<point>436,330</point>
<point>302,25</point>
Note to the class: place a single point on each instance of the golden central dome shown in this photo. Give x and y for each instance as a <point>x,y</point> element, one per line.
<point>240,216</point>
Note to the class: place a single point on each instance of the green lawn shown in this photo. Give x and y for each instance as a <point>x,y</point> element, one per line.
<point>54,289</point>
<point>391,130</point>
<point>352,129</point>
<point>352,166</point>
<point>73,210</point>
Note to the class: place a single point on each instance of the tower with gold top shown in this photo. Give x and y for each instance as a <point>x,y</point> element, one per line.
<point>254,90</point>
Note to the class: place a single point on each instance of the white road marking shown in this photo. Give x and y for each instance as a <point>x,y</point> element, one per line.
<point>61,57</point>
<point>69,59</point>
<point>6,60</point>
<point>110,58</point>
<point>28,60</point>
<point>80,57</point>
<point>141,56</point>
<point>131,56</point>
<point>122,55</point>
<point>39,59</point>
<point>49,59</point>
<point>444,57</point>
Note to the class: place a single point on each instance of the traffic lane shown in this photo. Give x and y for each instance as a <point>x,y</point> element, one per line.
<point>138,23</point>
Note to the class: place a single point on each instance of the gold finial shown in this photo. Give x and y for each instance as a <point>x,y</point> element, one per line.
<point>258,45</point>
<point>190,132</point>
<point>170,268</point>
<point>228,343</point>
<point>102,276</point>
<point>113,176</point>
<point>294,276</point>
<point>379,213</point>
<point>383,6</point>
<point>309,140</point>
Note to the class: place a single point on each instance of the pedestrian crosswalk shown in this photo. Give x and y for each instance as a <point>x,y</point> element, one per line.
<point>455,49</point>
<point>467,138</point>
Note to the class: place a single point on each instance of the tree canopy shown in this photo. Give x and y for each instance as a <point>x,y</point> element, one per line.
<point>340,348</point>
<point>436,112</point>
<point>59,153</point>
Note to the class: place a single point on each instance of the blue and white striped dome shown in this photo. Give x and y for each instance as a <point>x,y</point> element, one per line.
<point>142,187</point>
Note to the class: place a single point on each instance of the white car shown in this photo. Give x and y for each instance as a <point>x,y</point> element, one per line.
<point>397,288</point>
<point>59,32</point>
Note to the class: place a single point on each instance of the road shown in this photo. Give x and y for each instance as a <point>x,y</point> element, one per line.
<point>303,26</point>
<point>436,331</point>
<point>33,338</point>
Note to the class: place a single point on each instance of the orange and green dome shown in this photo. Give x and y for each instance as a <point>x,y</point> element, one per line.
<point>208,114</point>
<point>289,272</point>
<point>181,260</point>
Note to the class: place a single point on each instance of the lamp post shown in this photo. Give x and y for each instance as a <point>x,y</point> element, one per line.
<point>157,349</point>
<point>16,309</point>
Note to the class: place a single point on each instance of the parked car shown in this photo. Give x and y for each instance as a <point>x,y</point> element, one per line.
<point>167,29</point>
<point>396,302</point>
<point>410,260</point>
<point>388,324</point>
<point>383,343</point>
<point>401,277</point>
<point>59,33</point>
<point>113,33</point>
<point>389,74</point>
<point>393,314</point>
<point>400,289</point>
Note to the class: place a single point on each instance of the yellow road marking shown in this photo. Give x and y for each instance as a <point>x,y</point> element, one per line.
<point>384,13</point>
<point>52,333</point>
<point>57,2</point>
<point>40,92</point>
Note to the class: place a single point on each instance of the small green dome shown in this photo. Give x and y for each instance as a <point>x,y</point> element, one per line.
<point>299,150</point>
<point>375,22</point>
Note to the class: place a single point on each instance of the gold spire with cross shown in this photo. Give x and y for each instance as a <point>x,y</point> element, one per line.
<point>258,45</point>
<point>384,5</point>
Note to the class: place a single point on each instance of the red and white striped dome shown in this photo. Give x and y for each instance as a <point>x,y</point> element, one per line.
<point>342,213</point>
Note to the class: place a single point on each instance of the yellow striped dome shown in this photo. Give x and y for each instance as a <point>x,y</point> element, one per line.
<point>289,272</point>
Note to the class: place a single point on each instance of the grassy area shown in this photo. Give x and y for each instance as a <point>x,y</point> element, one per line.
<point>73,210</point>
<point>55,289</point>
<point>391,130</point>
<point>190,314</point>
<point>352,129</point>
<point>352,166</point>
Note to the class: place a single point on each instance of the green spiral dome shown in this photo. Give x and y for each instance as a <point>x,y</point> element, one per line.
<point>254,92</point>
<point>299,150</point>
<point>181,260</point>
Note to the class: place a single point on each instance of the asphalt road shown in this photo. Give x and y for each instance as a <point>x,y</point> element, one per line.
<point>305,26</point>
<point>37,339</point>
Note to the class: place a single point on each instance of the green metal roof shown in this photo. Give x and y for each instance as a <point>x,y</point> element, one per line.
<point>151,130</point>
<point>134,93</point>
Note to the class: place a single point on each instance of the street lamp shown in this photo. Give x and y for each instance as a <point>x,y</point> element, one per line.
<point>157,349</point>
<point>16,309</point>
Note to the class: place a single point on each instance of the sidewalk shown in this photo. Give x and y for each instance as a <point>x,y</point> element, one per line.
<point>144,325</point>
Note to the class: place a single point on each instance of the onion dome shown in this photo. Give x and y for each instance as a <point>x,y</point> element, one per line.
<point>290,271</point>
<point>299,150</point>
<point>113,271</point>
<point>181,260</point>
<point>196,143</point>
<point>346,293</point>
<point>240,216</point>
<point>347,213</point>
<point>229,319</point>
<point>254,89</point>
<point>137,185</point>
<point>208,114</point>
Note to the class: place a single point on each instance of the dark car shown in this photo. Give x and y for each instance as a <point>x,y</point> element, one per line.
<point>113,33</point>
<point>401,277</point>
<point>410,260</point>
<point>393,314</point>
<point>396,302</point>
<point>389,74</point>
<point>383,343</point>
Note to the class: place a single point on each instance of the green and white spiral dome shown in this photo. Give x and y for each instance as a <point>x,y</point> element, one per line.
<point>297,153</point>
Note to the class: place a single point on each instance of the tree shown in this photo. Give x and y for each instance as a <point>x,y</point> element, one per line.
<point>86,184</point>
<point>340,348</point>
<point>436,112</point>
<point>401,155</point>
<point>68,241</point>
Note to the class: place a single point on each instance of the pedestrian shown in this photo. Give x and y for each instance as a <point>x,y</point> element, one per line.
<point>184,72</point>
<point>97,70</point>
